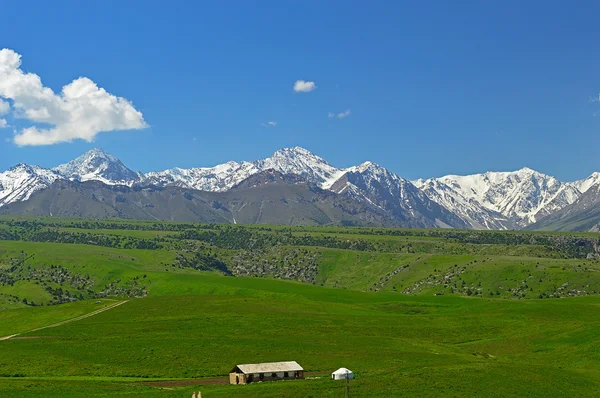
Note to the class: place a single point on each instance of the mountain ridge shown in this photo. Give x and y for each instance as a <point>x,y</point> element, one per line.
<point>491,200</point>
<point>268,197</point>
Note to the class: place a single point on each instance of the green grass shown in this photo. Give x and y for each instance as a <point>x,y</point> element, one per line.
<point>27,289</point>
<point>27,318</point>
<point>395,343</point>
<point>401,318</point>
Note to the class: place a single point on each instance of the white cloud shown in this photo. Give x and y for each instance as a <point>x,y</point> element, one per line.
<point>340,115</point>
<point>269,124</point>
<point>344,114</point>
<point>3,123</point>
<point>302,86</point>
<point>80,111</point>
<point>4,107</point>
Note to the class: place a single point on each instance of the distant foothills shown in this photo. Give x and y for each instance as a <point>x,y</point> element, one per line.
<point>296,187</point>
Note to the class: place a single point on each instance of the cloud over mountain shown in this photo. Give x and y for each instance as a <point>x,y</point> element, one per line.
<point>80,111</point>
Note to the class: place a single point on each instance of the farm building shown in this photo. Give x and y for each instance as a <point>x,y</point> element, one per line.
<point>244,374</point>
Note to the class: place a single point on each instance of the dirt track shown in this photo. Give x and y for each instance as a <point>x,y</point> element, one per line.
<point>68,320</point>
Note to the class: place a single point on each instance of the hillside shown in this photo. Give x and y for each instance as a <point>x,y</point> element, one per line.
<point>431,311</point>
<point>408,261</point>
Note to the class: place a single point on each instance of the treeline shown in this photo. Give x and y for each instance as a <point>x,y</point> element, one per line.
<point>56,236</point>
<point>240,238</point>
<point>450,242</point>
<point>260,237</point>
<point>103,224</point>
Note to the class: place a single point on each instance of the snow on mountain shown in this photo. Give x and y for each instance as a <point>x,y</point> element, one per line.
<point>20,182</point>
<point>592,181</point>
<point>467,208</point>
<point>492,200</point>
<point>379,187</point>
<point>302,162</point>
<point>97,165</point>
<point>216,179</point>
<point>522,196</point>
<point>224,176</point>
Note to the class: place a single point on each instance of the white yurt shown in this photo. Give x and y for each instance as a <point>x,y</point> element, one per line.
<point>342,374</point>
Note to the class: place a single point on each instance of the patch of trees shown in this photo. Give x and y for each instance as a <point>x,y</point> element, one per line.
<point>201,261</point>
<point>107,224</point>
<point>57,236</point>
<point>282,263</point>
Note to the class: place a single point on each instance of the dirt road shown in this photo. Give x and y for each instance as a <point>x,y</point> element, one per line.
<point>69,320</point>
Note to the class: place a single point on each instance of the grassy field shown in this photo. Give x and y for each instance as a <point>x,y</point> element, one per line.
<point>441,315</point>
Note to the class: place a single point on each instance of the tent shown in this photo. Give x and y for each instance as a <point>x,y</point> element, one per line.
<point>342,374</point>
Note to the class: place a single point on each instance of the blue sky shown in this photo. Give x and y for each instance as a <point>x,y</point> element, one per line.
<point>434,87</point>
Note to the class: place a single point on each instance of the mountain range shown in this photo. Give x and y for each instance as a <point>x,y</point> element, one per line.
<point>295,186</point>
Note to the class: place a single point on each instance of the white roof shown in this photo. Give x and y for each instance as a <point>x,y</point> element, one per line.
<point>341,371</point>
<point>269,367</point>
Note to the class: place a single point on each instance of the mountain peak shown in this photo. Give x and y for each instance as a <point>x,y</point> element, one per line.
<point>99,153</point>
<point>295,152</point>
<point>96,164</point>
<point>300,161</point>
<point>372,168</point>
<point>529,171</point>
<point>592,181</point>
<point>368,164</point>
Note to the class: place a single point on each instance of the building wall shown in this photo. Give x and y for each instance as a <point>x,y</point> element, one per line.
<point>237,378</point>
<point>254,378</point>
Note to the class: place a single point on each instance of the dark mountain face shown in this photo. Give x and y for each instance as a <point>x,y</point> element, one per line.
<point>405,203</point>
<point>266,199</point>
<point>271,176</point>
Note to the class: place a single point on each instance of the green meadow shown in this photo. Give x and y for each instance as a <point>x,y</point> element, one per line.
<point>413,313</point>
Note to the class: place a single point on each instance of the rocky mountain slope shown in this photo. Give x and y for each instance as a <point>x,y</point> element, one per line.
<point>265,198</point>
<point>20,182</point>
<point>582,215</point>
<point>97,165</point>
<point>492,200</point>
<point>222,177</point>
<point>501,200</point>
<point>373,184</point>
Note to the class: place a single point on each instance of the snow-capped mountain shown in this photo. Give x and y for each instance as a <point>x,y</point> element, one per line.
<point>592,181</point>
<point>492,200</point>
<point>97,165</point>
<point>582,215</point>
<point>376,185</point>
<point>303,163</point>
<point>469,209</point>
<point>215,179</point>
<point>520,197</point>
<point>20,182</point>
<point>224,176</point>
